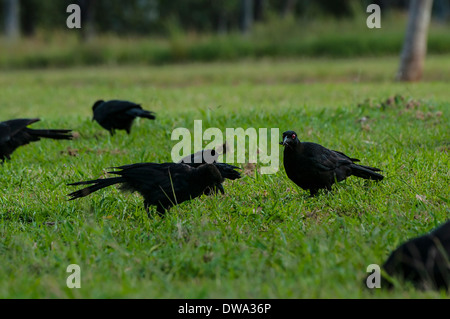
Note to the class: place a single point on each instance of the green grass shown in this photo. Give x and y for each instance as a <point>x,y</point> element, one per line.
<point>263,239</point>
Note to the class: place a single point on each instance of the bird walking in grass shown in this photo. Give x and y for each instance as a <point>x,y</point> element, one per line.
<point>118,115</point>
<point>313,167</point>
<point>162,185</point>
<point>15,133</point>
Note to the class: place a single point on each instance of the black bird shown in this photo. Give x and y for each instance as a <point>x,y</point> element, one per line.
<point>118,115</point>
<point>162,185</point>
<point>312,166</point>
<point>210,156</point>
<point>15,133</point>
<point>424,260</point>
<point>204,156</point>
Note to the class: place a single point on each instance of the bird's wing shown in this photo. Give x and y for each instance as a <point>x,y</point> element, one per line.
<point>325,159</point>
<point>155,181</point>
<point>5,133</point>
<point>352,159</point>
<point>115,106</point>
<point>323,162</point>
<point>112,107</point>
<point>144,166</point>
<point>204,156</point>
<point>12,127</point>
<point>200,157</point>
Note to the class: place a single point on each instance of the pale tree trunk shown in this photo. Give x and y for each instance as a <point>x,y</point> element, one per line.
<point>246,15</point>
<point>12,27</point>
<point>415,45</point>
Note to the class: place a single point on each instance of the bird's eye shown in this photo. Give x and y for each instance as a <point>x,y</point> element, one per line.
<point>293,135</point>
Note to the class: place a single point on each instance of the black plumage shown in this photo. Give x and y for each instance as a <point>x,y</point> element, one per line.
<point>312,166</point>
<point>118,115</point>
<point>210,156</point>
<point>15,133</point>
<point>162,185</point>
<point>424,260</point>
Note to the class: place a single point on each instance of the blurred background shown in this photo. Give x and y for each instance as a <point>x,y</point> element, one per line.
<point>156,32</point>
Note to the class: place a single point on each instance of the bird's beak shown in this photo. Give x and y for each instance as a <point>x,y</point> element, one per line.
<point>220,187</point>
<point>284,141</point>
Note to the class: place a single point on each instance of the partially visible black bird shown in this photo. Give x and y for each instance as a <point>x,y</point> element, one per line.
<point>118,115</point>
<point>162,185</point>
<point>210,156</point>
<point>15,133</point>
<point>424,260</point>
<point>312,166</point>
<point>205,156</point>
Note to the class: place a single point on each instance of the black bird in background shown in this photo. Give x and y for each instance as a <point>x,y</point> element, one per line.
<point>118,115</point>
<point>424,260</point>
<point>15,133</point>
<point>312,166</point>
<point>162,185</point>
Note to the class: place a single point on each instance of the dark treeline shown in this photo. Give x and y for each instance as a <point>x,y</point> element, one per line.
<point>158,17</point>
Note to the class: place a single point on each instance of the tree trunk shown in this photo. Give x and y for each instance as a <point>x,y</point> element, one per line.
<point>222,22</point>
<point>87,27</point>
<point>28,9</point>
<point>288,8</point>
<point>246,15</point>
<point>260,6</point>
<point>12,28</point>
<point>415,44</point>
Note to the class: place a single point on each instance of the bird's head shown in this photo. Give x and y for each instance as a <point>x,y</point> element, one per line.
<point>96,104</point>
<point>210,174</point>
<point>290,139</point>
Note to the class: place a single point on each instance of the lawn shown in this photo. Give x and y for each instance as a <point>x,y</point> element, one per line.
<point>264,238</point>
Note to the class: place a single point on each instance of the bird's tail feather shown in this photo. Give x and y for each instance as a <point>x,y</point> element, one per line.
<point>97,184</point>
<point>142,113</point>
<point>228,171</point>
<point>370,168</point>
<point>366,172</point>
<point>53,134</point>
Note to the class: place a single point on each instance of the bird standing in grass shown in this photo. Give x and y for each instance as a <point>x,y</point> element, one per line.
<point>162,185</point>
<point>15,133</point>
<point>118,115</point>
<point>312,166</point>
